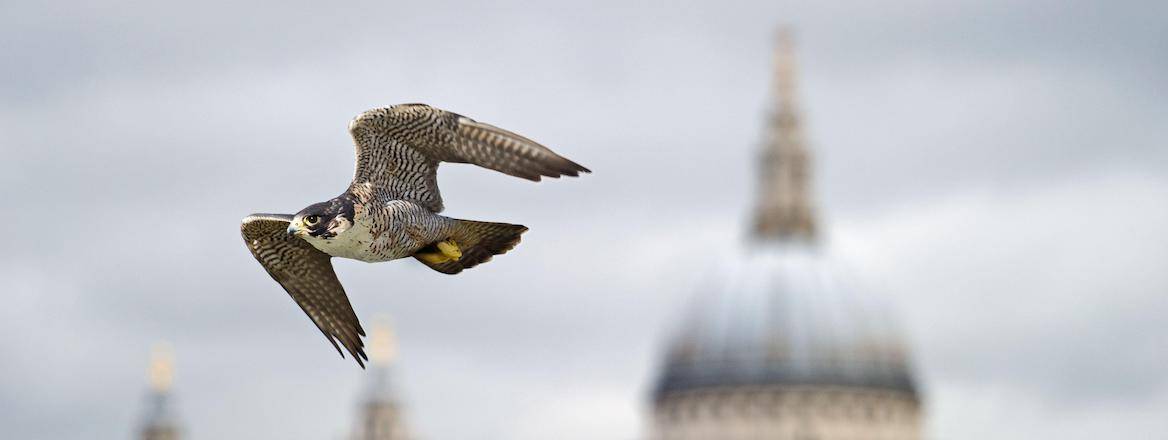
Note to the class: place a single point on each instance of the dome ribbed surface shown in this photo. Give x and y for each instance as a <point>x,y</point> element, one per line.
<point>782,315</point>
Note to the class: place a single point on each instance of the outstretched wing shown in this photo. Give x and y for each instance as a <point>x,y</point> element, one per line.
<point>307,274</point>
<point>399,149</point>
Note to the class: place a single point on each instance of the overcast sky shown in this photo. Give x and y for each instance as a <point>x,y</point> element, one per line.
<point>998,171</point>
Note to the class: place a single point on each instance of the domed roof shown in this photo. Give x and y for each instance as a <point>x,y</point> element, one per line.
<point>783,316</point>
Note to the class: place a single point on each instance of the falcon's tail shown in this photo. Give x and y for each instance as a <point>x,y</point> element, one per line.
<point>472,243</point>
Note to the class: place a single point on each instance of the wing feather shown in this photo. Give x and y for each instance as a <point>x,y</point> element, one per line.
<point>501,150</point>
<point>399,149</point>
<point>307,275</point>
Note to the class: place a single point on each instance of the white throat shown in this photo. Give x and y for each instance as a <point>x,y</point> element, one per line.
<point>353,243</point>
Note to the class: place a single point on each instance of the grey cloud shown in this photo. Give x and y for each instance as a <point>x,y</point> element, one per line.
<point>134,138</point>
<point>1068,289</point>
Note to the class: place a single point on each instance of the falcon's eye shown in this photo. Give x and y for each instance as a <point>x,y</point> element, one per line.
<point>312,220</point>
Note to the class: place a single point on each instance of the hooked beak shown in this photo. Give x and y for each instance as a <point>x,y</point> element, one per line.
<point>292,229</point>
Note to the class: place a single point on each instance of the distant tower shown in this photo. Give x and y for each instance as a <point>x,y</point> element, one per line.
<point>779,346</point>
<point>160,422</point>
<point>381,416</point>
<point>784,208</point>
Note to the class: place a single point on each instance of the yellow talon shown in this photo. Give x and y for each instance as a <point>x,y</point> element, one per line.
<point>433,257</point>
<point>450,249</point>
<point>447,251</point>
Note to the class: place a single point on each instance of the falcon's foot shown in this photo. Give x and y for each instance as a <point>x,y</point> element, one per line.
<point>450,249</point>
<point>441,252</point>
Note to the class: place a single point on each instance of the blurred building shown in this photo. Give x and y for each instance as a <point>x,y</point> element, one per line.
<point>160,421</point>
<point>380,415</point>
<point>779,345</point>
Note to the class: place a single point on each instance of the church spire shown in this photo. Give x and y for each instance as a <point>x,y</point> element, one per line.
<point>382,345</point>
<point>784,209</point>
<point>161,368</point>
<point>381,417</point>
<point>160,422</point>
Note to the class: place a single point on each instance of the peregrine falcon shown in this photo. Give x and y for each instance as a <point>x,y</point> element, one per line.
<point>390,210</point>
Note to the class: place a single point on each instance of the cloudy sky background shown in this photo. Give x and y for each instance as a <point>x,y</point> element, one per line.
<point>996,170</point>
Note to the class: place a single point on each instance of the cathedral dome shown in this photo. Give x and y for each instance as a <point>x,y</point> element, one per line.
<point>784,315</point>
<point>779,343</point>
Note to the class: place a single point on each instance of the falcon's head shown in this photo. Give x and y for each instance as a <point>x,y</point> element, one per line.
<point>323,221</point>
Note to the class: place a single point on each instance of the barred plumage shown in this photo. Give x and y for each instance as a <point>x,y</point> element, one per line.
<point>400,147</point>
<point>308,276</point>
<point>390,209</point>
